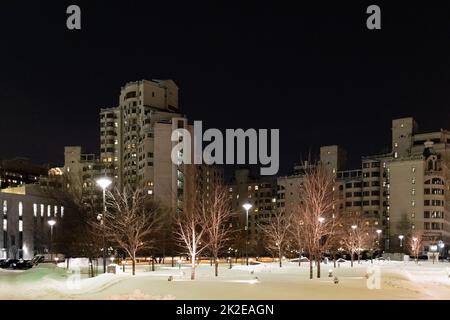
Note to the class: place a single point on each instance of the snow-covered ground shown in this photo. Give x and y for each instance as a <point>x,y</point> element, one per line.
<point>398,280</point>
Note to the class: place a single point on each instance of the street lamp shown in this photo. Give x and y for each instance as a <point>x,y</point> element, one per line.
<point>104,183</point>
<point>433,248</point>
<point>247,207</point>
<point>51,223</point>
<point>379,234</point>
<point>401,240</point>
<point>321,219</point>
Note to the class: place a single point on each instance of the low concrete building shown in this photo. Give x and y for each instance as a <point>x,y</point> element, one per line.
<point>26,212</point>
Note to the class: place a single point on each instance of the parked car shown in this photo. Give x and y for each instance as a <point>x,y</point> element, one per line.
<point>22,265</point>
<point>7,264</point>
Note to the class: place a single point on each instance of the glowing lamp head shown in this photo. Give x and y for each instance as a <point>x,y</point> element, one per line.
<point>321,219</point>
<point>379,231</point>
<point>51,223</point>
<point>103,182</point>
<point>247,206</point>
<point>401,237</point>
<point>354,227</point>
<point>414,239</point>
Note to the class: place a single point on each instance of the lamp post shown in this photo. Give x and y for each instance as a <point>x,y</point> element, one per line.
<point>51,223</point>
<point>441,246</point>
<point>379,235</point>
<point>247,207</point>
<point>415,249</point>
<point>103,183</point>
<point>433,248</point>
<point>401,240</point>
<point>354,242</point>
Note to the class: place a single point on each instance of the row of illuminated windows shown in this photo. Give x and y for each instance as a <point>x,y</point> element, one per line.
<point>433,191</point>
<point>50,209</point>
<point>433,215</point>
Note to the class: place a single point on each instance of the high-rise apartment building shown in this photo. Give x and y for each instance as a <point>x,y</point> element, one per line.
<point>127,132</point>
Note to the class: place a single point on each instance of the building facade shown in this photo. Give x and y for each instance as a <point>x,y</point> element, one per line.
<point>26,213</point>
<point>401,193</point>
<point>127,132</point>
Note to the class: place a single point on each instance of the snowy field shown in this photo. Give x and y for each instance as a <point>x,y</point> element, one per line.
<point>398,280</point>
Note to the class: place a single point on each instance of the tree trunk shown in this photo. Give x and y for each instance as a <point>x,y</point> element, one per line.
<point>359,258</point>
<point>153,264</point>
<point>318,266</point>
<point>334,260</point>
<point>299,258</point>
<point>133,264</point>
<point>280,257</point>
<point>371,257</point>
<point>193,268</point>
<point>351,255</point>
<point>217,268</point>
<point>310,267</point>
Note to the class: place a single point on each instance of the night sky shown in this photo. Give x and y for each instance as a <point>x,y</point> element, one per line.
<point>315,72</point>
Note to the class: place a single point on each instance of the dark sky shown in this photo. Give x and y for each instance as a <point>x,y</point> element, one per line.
<point>314,72</point>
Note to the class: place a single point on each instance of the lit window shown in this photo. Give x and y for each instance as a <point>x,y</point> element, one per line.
<point>396,145</point>
<point>150,191</point>
<point>249,188</point>
<point>49,210</point>
<point>256,187</point>
<point>62,211</point>
<point>20,226</point>
<point>396,155</point>
<point>55,209</point>
<point>413,191</point>
<point>413,181</point>
<point>413,169</point>
<point>42,210</point>
<point>413,203</point>
<point>274,200</point>
<point>5,225</point>
<point>5,207</point>
<point>20,208</point>
<point>35,209</point>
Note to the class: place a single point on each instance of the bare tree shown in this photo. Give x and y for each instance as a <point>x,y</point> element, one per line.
<point>316,212</point>
<point>276,233</point>
<point>216,211</point>
<point>190,230</point>
<point>355,236</point>
<point>415,241</point>
<point>132,220</point>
